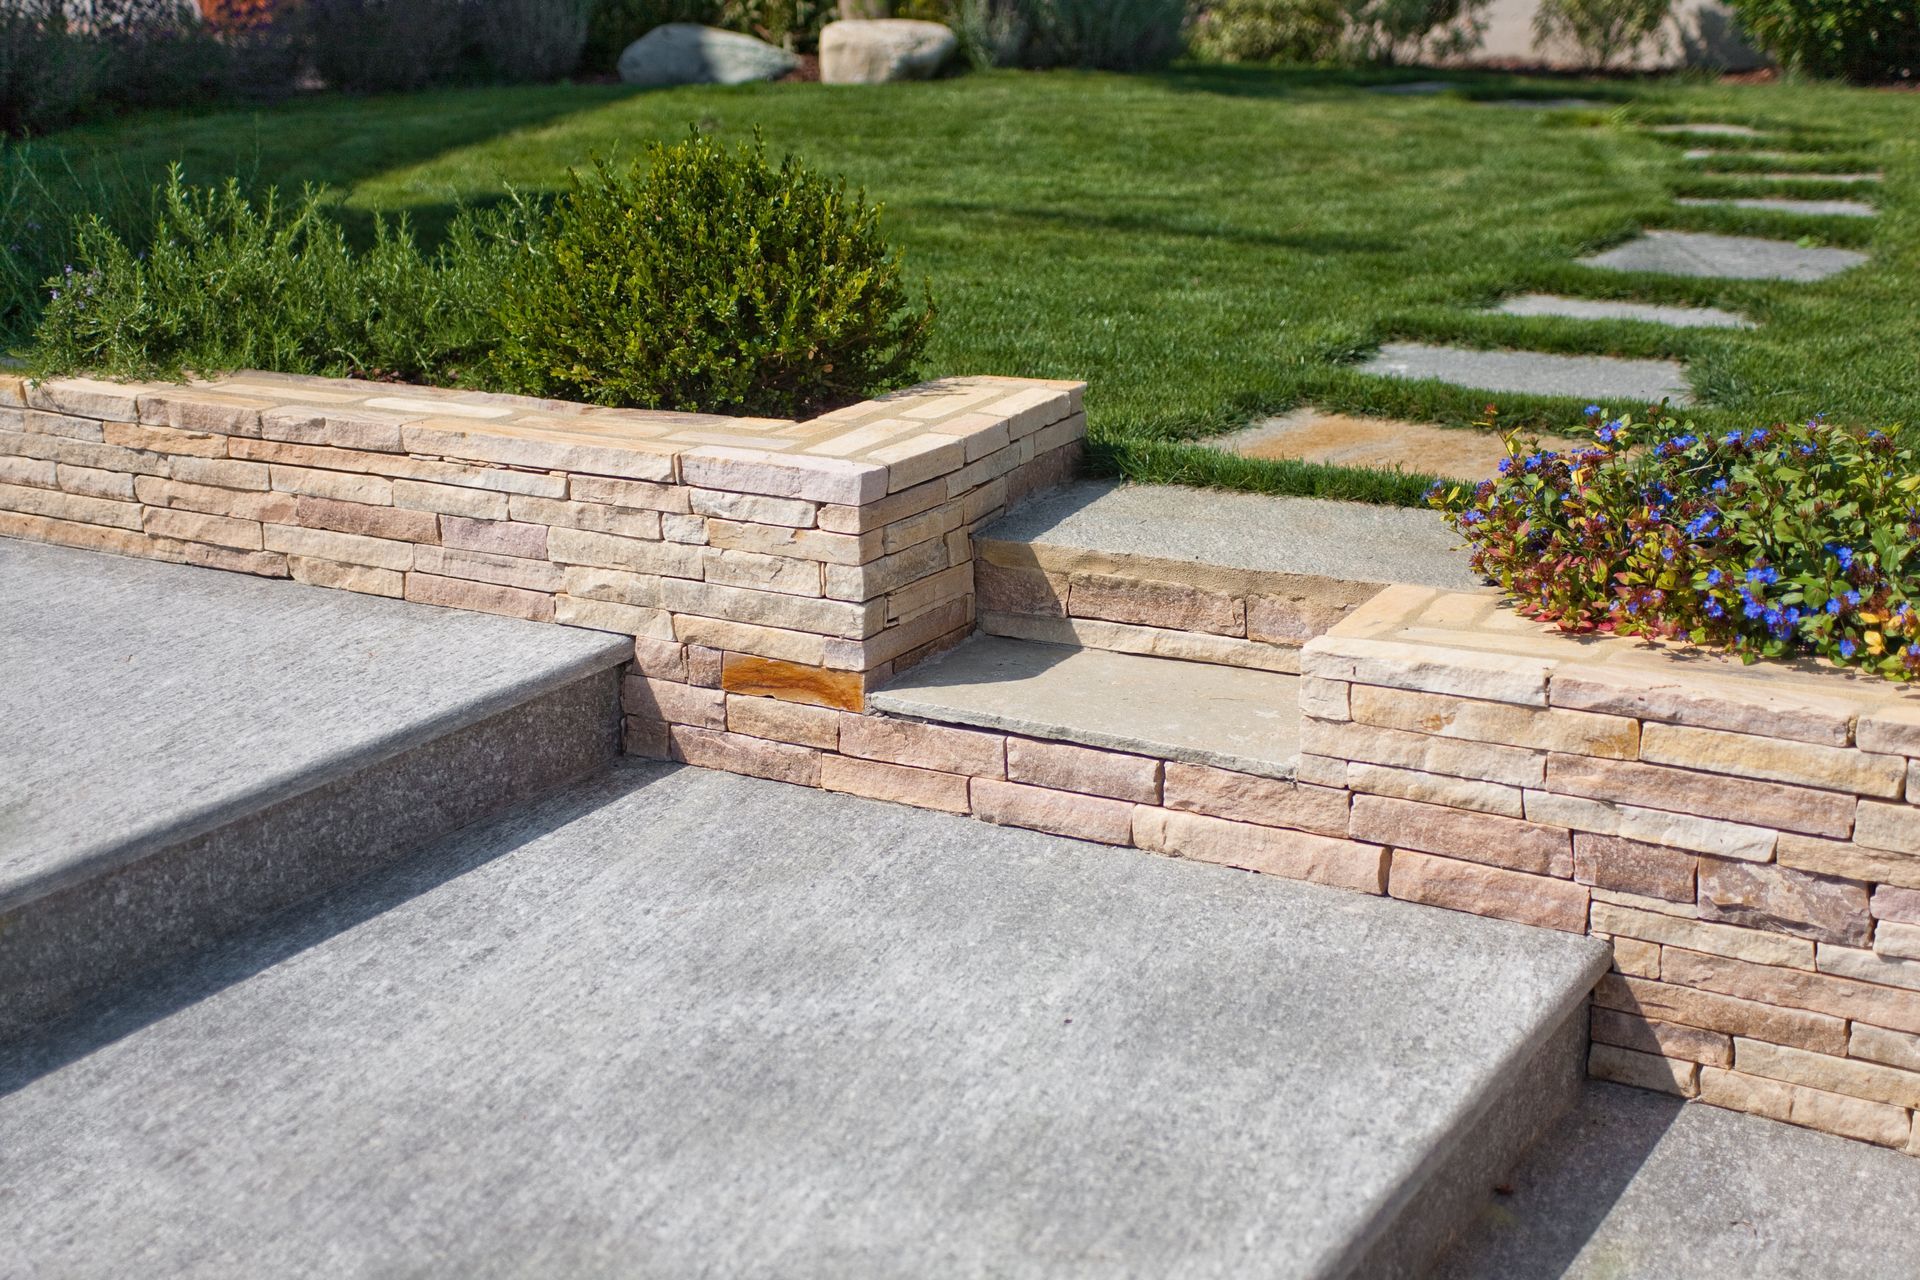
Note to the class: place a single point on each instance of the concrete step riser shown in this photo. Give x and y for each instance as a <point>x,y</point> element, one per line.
<point>63,948</point>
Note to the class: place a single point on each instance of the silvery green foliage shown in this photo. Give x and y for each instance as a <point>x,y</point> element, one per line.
<point>1396,31</point>
<point>1113,35</point>
<point>1603,31</point>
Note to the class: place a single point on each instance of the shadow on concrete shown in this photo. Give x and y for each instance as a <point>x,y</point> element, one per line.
<point>1556,1199</point>
<point>179,983</point>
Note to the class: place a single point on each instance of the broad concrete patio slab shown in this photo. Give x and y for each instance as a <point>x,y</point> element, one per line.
<point>1608,380</point>
<point>679,1023</point>
<point>1344,440</point>
<point>1697,253</point>
<point>1638,1186</point>
<point>1348,541</point>
<point>1783,204</point>
<point>147,703</point>
<point>1196,712</point>
<point>1547,304</point>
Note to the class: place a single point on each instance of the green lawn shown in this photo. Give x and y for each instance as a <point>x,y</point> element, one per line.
<point>1207,246</point>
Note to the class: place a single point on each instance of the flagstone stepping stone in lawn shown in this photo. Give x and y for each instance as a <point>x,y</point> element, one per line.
<point>1712,130</point>
<point>1701,254</point>
<point>1780,204</point>
<point>1721,153</point>
<point>1817,177</point>
<point>1545,104</point>
<point>1547,304</point>
<point>1338,439</point>
<point>1606,380</point>
<point>1416,87</point>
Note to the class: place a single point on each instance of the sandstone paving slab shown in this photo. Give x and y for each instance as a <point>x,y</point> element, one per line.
<point>1340,439</point>
<point>1820,177</point>
<point>1699,253</point>
<point>148,702</point>
<point>1195,712</point>
<point>1783,204</point>
<point>1415,88</point>
<point>1608,380</point>
<point>1547,304</point>
<point>1640,1186</point>
<point>1347,541</point>
<point>1710,129</point>
<point>676,1023</point>
<point>1715,153</point>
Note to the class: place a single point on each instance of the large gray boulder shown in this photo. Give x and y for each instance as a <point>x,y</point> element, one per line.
<point>687,53</point>
<point>874,51</point>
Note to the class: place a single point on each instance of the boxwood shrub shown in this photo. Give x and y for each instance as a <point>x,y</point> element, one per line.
<point>1777,542</point>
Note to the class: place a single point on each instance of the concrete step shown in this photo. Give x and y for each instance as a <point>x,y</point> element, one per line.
<point>1634,1185</point>
<point>1234,579</point>
<point>1194,712</point>
<point>187,750</point>
<point>675,1022</point>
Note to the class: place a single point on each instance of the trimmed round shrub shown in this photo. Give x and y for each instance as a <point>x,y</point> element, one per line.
<point>1270,31</point>
<point>1779,542</point>
<point>1863,40</point>
<point>710,280</point>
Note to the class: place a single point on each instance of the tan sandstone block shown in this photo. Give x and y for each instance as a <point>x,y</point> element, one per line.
<point>651,699</point>
<point>798,647</point>
<point>1823,992</point>
<point>1751,1094</point>
<point>1173,605</point>
<point>88,482</point>
<point>1769,804</point>
<point>1876,1044</point>
<point>1459,833</point>
<point>1868,966</point>
<point>1429,669</point>
<point>793,722</point>
<point>222,473</point>
<point>645,739</point>
<point>1433,788</point>
<point>1664,1039</point>
<point>1636,958</point>
<point>1063,813</point>
<point>1652,826</point>
<point>924,746</point>
<point>813,479</point>
<point>622,619</point>
<point>34,422</point>
<point>1730,1015</point>
<point>1243,797</point>
<point>1894,729</point>
<point>773,608</point>
<point>128,435</point>
<point>921,788</point>
<point>478,566</point>
<point>1292,855</point>
<point>344,426</point>
<point>642,495</point>
<point>554,451</point>
<point>1061,766</point>
<point>1874,1122</point>
<point>450,500</point>
<point>510,538</point>
<point>753,508</point>
<point>1488,891</point>
<point>341,486</point>
<point>793,682</point>
<point>1320,771</point>
<point>479,597</point>
<point>1896,941</point>
<point>1696,935</point>
<point>41,473</point>
<point>1423,753</point>
<point>1749,755</point>
<point>1737,707</point>
<point>888,573</point>
<point>752,570</point>
<point>1785,901</point>
<point>1892,903</point>
<point>347,577</point>
<point>1846,1076</point>
<point>1580,732</point>
<point>241,504</point>
<point>55,505</point>
<point>1325,699</point>
<point>342,548</point>
<point>194,526</point>
<point>1011,590</point>
<point>754,757</point>
<point>661,659</point>
<point>1296,619</point>
<point>369,521</point>
<point>1643,1070</point>
<point>797,544</point>
<point>592,516</point>
<point>1633,866</point>
<point>66,533</point>
<point>1892,827</point>
<point>1849,861</point>
<point>705,666</point>
<point>265,564</point>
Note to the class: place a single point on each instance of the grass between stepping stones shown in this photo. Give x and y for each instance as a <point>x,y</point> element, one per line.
<point>1211,246</point>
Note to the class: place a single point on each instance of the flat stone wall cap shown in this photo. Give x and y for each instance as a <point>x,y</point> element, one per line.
<point>688,53</point>
<point>834,480</point>
<point>877,50</point>
<point>1429,668</point>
